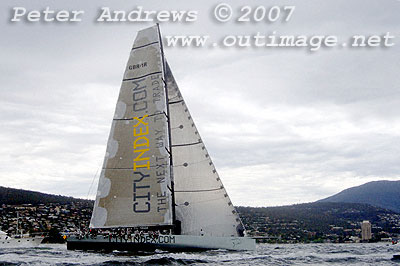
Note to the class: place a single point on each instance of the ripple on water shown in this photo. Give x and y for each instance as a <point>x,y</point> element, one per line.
<point>266,254</point>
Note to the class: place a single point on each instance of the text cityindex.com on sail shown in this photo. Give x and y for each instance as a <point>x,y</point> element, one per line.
<point>273,40</point>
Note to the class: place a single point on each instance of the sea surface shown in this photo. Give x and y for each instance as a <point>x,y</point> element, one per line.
<point>266,254</point>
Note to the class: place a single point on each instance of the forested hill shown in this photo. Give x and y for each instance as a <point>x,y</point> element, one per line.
<point>298,223</point>
<point>319,214</point>
<point>320,218</point>
<point>12,196</point>
<point>384,194</point>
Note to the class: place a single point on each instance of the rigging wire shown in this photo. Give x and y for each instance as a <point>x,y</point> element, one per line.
<point>200,190</point>
<point>91,185</point>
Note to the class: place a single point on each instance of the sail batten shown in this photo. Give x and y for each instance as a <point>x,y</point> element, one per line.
<point>200,190</point>
<point>130,79</point>
<point>145,45</point>
<point>186,144</point>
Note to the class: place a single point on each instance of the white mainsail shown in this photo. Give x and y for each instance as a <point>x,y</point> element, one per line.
<point>134,186</point>
<point>202,203</point>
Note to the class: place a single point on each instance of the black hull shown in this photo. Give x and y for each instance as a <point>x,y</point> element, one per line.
<point>126,246</point>
<point>138,243</point>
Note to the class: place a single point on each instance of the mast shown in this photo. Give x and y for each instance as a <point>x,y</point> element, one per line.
<point>169,128</point>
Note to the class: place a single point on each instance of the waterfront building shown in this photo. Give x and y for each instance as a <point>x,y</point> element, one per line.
<point>366,231</point>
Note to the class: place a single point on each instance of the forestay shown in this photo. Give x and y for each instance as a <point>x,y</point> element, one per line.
<point>134,183</point>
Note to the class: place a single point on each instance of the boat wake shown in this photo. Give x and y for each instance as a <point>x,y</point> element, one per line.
<point>157,261</point>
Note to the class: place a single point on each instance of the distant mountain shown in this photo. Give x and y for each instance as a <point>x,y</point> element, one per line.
<point>384,194</point>
<point>12,196</point>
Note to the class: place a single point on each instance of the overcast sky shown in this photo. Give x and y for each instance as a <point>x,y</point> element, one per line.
<point>282,126</point>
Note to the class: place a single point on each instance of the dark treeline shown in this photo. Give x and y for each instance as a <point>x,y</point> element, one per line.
<point>320,216</point>
<point>318,221</point>
<point>12,196</point>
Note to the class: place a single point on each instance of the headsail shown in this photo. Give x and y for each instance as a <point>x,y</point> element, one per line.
<point>134,183</point>
<point>203,205</point>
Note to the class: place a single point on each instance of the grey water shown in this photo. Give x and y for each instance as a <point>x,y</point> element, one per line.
<point>266,254</point>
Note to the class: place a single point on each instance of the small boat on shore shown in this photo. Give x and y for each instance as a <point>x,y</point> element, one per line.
<point>19,241</point>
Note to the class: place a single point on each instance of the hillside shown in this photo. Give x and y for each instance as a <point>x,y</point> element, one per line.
<point>312,221</point>
<point>12,196</point>
<point>384,194</point>
<point>319,221</point>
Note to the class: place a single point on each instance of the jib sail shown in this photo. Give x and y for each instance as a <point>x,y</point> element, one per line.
<point>202,204</point>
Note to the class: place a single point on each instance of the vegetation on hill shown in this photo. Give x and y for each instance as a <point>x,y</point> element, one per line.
<point>384,194</point>
<point>12,196</point>
<point>317,221</point>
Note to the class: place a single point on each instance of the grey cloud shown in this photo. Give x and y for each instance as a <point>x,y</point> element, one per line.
<point>274,121</point>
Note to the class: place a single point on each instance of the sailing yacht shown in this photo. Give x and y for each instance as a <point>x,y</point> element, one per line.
<point>158,188</point>
<point>19,241</point>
